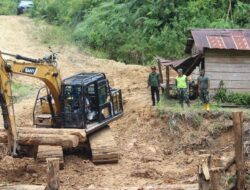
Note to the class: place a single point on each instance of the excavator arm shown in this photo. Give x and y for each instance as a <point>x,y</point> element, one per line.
<point>7,105</point>
<point>40,69</point>
<point>36,68</point>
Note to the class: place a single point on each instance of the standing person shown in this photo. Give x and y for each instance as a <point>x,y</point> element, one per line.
<point>154,83</point>
<point>182,85</point>
<point>203,87</point>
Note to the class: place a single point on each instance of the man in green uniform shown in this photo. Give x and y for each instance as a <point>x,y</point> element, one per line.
<point>203,86</point>
<point>182,85</point>
<point>154,83</point>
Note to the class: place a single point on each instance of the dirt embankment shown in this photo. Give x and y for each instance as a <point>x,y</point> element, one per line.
<point>153,150</point>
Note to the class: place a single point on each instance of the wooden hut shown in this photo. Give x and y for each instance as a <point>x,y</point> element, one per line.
<point>225,56</point>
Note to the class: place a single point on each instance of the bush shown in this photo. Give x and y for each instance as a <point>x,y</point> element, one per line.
<point>135,31</point>
<point>8,7</point>
<point>223,96</point>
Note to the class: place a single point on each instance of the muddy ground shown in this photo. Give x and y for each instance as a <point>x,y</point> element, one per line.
<point>153,150</point>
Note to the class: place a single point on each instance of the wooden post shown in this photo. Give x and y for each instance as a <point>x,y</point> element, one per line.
<point>215,174</point>
<point>167,81</point>
<point>239,156</point>
<point>160,71</point>
<point>53,182</point>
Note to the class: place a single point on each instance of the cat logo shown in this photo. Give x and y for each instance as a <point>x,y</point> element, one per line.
<point>29,70</point>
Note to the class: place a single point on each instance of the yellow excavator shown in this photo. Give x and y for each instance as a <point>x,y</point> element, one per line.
<point>84,102</point>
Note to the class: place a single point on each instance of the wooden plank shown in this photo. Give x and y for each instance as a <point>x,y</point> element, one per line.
<point>229,60</point>
<point>231,84</point>
<point>66,141</point>
<point>228,76</point>
<point>226,67</point>
<point>21,187</point>
<point>239,154</point>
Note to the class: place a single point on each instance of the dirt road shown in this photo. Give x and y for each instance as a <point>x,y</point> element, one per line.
<point>149,155</point>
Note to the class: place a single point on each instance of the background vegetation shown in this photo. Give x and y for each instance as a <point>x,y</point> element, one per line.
<point>8,7</point>
<point>134,31</point>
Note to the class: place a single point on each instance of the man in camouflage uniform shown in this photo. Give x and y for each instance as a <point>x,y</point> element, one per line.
<point>154,83</point>
<point>203,86</point>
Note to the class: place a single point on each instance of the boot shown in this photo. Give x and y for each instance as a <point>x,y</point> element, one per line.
<point>207,107</point>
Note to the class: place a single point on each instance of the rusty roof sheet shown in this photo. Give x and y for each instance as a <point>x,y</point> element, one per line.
<point>238,39</point>
<point>188,64</point>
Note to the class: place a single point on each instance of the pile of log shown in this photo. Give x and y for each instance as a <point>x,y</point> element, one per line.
<point>225,173</point>
<point>215,172</point>
<point>66,138</point>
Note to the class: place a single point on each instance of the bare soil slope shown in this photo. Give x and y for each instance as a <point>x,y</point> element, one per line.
<point>150,154</point>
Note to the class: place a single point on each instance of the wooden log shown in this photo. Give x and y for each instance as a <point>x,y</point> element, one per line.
<point>21,187</point>
<point>239,155</point>
<point>46,151</point>
<point>53,182</point>
<point>78,132</point>
<point>66,141</point>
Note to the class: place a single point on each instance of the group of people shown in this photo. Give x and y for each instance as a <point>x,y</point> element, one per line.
<point>182,87</point>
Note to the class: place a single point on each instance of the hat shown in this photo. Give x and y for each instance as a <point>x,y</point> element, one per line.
<point>180,70</point>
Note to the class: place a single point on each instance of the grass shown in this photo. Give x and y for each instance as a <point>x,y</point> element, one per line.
<point>52,35</point>
<point>21,91</point>
<point>171,105</point>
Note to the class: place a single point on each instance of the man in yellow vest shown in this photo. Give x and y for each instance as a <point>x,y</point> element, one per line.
<point>182,86</point>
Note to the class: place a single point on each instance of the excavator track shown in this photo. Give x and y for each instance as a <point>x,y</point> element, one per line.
<point>103,146</point>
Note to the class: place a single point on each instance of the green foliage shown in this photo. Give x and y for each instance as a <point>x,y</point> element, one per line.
<point>135,31</point>
<point>223,96</point>
<point>8,7</point>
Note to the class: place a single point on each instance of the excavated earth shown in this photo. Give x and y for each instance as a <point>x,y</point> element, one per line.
<point>154,149</point>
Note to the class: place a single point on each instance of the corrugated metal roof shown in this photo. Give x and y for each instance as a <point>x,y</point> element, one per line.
<point>238,39</point>
<point>188,64</point>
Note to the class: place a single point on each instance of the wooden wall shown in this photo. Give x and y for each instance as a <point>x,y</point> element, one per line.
<point>231,66</point>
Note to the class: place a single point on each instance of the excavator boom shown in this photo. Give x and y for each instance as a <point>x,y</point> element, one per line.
<point>7,106</point>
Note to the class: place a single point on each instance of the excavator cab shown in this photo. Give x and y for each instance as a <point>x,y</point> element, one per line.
<point>87,100</point>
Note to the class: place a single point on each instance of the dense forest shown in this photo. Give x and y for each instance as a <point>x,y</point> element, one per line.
<point>135,31</point>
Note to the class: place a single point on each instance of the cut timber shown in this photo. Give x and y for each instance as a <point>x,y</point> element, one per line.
<point>53,182</point>
<point>66,141</point>
<point>78,132</point>
<point>103,146</point>
<point>21,187</point>
<point>46,151</point>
